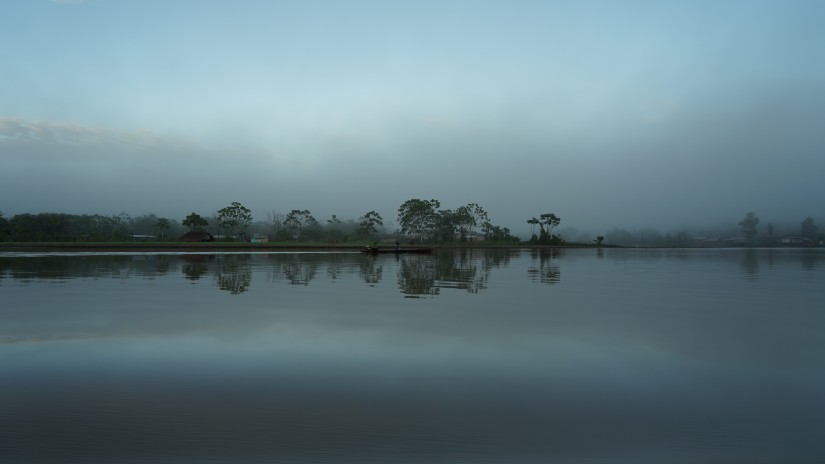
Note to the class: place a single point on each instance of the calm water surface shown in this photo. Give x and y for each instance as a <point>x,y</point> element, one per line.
<point>497,356</point>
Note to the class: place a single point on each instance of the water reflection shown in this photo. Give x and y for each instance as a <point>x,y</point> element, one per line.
<point>641,356</point>
<point>196,266</point>
<point>544,267</point>
<point>296,269</point>
<point>468,270</point>
<point>371,271</point>
<point>416,276</point>
<point>750,264</point>
<point>234,273</point>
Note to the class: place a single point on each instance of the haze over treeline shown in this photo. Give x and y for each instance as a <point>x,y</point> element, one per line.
<point>609,114</point>
<point>416,221</point>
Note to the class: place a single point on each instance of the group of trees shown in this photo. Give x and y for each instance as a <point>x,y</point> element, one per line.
<point>424,220</point>
<point>545,237</point>
<point>301,225</point>
<point>61,227</point>
<point>418,220</point>
<point>808,230</point>
<point>750,231</point>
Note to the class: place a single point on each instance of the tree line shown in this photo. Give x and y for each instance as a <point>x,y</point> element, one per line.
<point>418,220</point>
<point>749,231</point>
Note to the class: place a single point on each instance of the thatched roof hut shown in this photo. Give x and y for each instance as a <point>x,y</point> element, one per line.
<point>197,236</point>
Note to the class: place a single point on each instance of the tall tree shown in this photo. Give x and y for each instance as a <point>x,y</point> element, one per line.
<point>333,223</point>
<point>4,227</point>
<point>298,221</point>
<point>748,225</point>
<point>276,221</point>
<point>533,223</point>
<point>195,222</point>
<point>468,217</point>
<point>234,218</point>
<point>809,229</point>
<point>123,223</point>
<point>368,224</point>
<point>418,217</point>
<point>447,225</point>
<point>163,225</point>
<point>496,233</point>
<point>546,236</point>
<point>551,221</point>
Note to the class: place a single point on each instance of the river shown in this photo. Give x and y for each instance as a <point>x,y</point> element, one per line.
<point>466,356</point>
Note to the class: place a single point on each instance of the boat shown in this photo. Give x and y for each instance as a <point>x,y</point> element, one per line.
<point>373,250</point>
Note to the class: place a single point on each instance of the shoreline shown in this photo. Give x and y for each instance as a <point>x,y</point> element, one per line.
<point>244,246</point>
<point>250,247</point>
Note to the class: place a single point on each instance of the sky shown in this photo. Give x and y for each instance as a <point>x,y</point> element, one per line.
<point>609,114</point>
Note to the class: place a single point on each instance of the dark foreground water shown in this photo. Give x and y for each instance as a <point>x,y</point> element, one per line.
<point>519,356</point>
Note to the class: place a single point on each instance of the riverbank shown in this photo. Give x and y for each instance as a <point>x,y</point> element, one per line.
<point>238,246</point>
<point>172,246</point>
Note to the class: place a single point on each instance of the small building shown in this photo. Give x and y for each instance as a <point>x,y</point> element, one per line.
<point>706,241</point>
<point>796,241</point>
<point>197,236</point>
<point>735,241</point>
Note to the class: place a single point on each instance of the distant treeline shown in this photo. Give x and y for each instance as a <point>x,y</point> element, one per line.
<point>418,220</point>
<point>747,232</point>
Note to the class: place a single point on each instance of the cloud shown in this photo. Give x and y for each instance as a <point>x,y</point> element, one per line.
<point>46,140</point>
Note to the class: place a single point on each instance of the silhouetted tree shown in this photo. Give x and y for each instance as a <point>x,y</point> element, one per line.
<point>551,221</point>
<point>234,218</point>
<point>163,225</point>
<point>368,224</point>
<point>418,217</point>
<point>195,222</point>
<point>298,221</point>
<point>333,223</point>
<point>497,234</point>
<point>748,225</point>
<point>546,236</point>
<point>4,227</point>
<point>468,217</point>
<point>533,223</point>
<point>809,229</point>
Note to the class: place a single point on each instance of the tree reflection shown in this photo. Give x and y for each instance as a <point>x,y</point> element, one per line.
<point>496,257</point>
<point>542,267</point>
<point>298,271</point>
<point>195,266</point>
<point>370,270</point>
<point>163,264</point>
<point>750,265</point>
<point>416,275</point>
<point>810,259</point>
<point>67,266</point>
<point>464,269</point>
<point>234,273</point>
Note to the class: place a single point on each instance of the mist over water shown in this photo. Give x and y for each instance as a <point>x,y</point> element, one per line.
<point>466,356</point>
